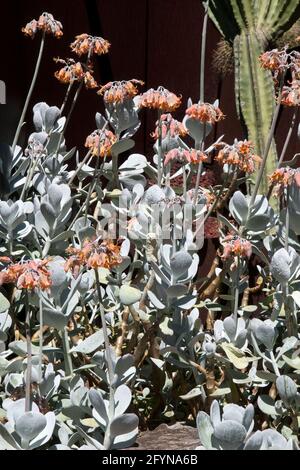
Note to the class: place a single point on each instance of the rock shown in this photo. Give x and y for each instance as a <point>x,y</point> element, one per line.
<point>164,437</point>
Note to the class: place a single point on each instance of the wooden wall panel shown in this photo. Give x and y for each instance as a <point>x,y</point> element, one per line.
<point>157,41</point>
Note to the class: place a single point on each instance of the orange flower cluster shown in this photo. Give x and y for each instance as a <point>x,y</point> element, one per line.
<point>118,92</point>
<point>75,71</point>
<point>161,99</point>
<point>240,155</point>
<point>191,156</point>
<point>100,142</point>
<point>276,60</point>
<point>93,254</point>
<point>236,246</point>
<point>169,126</point>
<point>291,94</point>
<point>86,44</point>
<point>284,177</point>
<point>46,23</point>
<point>205,112</point>
<point>27,275</point>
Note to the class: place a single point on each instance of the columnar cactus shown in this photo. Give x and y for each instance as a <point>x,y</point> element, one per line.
<point>249,26</point>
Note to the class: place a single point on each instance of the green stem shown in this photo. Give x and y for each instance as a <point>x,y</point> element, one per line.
<point>274,363</point>
<point>91,189</point>
<point>284,148</point>
<point>36,71</point>
<point>41,342</point>
<point>236,291</point>
<point>28,179</point>
<point>66,352</point>
<point>159,151</point>
<point>198,146</point>
<point>80,166</point>
<point>287,220</point>
<point>114,170</point>
<point>184,182</point>
<point>168,175</point>
<point>270,360</point>
<point>107,348</point>
<point>288,138</point>
<point>291,324</point>
<point>66,97</point>
<point>199,171</point>
<point>28,401</point>
<point>68,118</point>
<point>10,243</point>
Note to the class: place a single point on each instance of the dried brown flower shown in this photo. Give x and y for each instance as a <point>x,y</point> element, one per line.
<point>161,99</point>
<point>75,71</point>
<point>94,254</point>
<point>45,23</point>
<point>27,275</point>
<point>100,142</point>
<point>240,154</point>
<point>170,127</point>
<point>118,92</point>
<point>205,113</point>
<point>90,45</point>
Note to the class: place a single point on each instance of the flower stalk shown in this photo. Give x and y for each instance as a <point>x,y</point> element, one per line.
<point>28,98</point>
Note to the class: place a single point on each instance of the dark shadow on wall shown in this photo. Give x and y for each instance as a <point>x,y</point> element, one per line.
<point>95,27</point>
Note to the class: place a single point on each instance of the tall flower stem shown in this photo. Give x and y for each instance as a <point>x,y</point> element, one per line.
<point>66,352</point>
<point>236,290</point>
<point>41,341</point>
<point>107,347</point>
<point>291,326</point>
<point>198,146</point>
<point>68,119</point>
<point>72,106</point>
<point>288,138</point>
<point>284,148</point>
<point>29,177</point>
<point>199,171</point>
<point>289,306</point>
<point>91,189</point>
<point>66,97</point>
<point>87,156</point>
<point>168,175</point>
<point>28,401</point>
<point>70,110</point>
<point>36,71</point>
<point>114,168</point>
<point>203,48</point>
<point>184,182</point>
<point>202,77</point>
<point>159,151</point>
<point>266,151</point>
<point>287,220</point>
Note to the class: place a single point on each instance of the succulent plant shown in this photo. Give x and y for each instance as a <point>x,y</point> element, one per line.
<point>109,315</point>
